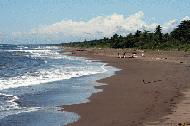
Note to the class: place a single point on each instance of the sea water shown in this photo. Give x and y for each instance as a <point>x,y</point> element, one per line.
<point>35,80</point>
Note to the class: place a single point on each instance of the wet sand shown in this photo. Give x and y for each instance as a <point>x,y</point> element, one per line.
<point>146,91</point>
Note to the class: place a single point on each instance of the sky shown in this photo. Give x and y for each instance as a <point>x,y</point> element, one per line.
<point>55,21</point>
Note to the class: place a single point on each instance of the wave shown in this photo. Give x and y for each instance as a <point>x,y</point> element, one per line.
<point>54,72</point>
<point>9,106</point>
<point>8,102</point>
<point>56,67</point>
<point>45,76</point>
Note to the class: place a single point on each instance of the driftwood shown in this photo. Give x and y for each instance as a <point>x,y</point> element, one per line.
<point>148,82</point>
<point>81,50</point>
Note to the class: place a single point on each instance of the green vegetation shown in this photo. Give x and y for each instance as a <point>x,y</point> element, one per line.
<point>179,39</point>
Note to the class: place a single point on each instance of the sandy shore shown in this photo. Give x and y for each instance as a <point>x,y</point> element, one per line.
<point>149,90</point>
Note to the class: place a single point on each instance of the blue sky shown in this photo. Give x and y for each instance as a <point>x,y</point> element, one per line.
<point>24,15</point>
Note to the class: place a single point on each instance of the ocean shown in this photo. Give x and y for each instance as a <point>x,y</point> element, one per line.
<point>35,80</point>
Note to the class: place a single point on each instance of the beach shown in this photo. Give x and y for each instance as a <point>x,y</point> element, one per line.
<point>95,63</point>
<point>148,89</point>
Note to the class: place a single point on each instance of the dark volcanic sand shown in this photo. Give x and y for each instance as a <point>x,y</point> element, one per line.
<point>127,100</point>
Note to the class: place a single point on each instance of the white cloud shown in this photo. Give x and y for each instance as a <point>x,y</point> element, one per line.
<point>169,26</point>
<point>101,25</point>
<point>186,18</point>
<point>98,27</point>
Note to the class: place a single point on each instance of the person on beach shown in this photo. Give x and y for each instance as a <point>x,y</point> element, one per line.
<point>118,54</point>
<point>124,55</point>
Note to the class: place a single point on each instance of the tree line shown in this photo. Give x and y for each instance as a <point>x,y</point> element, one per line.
<point>179,39</point>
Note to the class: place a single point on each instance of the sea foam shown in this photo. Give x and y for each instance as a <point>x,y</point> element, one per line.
<point>54,73</point>
<point>55,67</point>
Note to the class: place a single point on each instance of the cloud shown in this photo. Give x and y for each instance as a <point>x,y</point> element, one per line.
<point>169,26</point>
<point>185,18</point>
<point>97,27</point>
<point>100,25</point>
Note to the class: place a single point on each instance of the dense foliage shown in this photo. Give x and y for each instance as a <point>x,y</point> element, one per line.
<point>179,39</point>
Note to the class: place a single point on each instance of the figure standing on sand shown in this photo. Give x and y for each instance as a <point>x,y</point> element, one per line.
<point>124,55</point>
<point>119,56</point>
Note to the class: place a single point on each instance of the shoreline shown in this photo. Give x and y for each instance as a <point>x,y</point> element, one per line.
<point>130,101</point>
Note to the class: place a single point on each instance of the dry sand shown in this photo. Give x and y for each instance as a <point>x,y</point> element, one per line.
<point>148,90</point>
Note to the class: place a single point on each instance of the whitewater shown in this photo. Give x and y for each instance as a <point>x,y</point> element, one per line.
<point>36,79</point>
